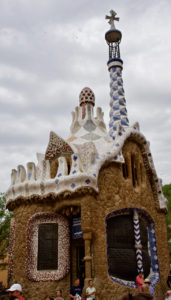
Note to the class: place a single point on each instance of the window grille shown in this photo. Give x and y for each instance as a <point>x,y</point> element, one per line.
<point>47,246</point>
<point>127,244</point>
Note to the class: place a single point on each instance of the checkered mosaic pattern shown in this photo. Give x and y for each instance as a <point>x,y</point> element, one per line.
<point>118,111</point>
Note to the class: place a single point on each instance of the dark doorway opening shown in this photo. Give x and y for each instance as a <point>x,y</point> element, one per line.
<point>78,264</point>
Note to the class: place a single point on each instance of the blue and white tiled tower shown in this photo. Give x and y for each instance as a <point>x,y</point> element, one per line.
<point>118,111</point>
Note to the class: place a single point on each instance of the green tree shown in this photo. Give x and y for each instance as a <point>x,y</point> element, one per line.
<point>5,217</point>
<point>167,194</point>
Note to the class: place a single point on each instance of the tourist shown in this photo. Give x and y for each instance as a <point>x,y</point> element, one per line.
<point>148,282</point>
<point>139,281</point>
<point>168,295</point>
<point>76,290</point>
<point>16,290</point>
<point>90,291</point>
<point>59,295</point>
<point>145,288</point>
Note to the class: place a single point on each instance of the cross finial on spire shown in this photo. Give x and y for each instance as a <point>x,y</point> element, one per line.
<point>112,18</point>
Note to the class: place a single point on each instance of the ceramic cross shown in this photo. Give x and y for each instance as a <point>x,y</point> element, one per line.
<point>112,18</point>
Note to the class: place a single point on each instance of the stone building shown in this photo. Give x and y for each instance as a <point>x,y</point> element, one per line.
<point>3,270</point>
<point>93,205</point>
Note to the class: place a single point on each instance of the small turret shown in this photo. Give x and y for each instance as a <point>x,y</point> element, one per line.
<point>86,97</point>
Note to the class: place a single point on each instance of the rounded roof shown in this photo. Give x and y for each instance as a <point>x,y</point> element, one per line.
<point>87,95</point>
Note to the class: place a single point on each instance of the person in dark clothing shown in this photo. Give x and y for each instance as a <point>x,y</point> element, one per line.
<point>76,290</point>
<point>169,280</point>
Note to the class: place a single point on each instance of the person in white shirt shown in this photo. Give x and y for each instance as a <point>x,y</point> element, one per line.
<point>90,291</point>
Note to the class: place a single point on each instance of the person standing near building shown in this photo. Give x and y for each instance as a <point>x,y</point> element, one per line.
<point>76,290</point>
<point>16,290</point>
<point>90,291</point>
<point>139,281</point>
<point>148,282</point>
<point>59,295</point>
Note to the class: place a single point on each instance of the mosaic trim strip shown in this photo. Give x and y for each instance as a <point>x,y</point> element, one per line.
<point>63,247</point>
<point>154,276</point>
<point>11,249</point>
<point>138,245</point>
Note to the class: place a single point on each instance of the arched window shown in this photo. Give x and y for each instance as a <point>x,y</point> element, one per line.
<point>131,246</point>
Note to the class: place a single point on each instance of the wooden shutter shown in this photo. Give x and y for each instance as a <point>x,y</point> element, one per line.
<point>47,246</point>
<point>121,250</point>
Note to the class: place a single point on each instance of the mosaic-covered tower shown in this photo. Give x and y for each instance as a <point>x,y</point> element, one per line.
<point>92,207</point>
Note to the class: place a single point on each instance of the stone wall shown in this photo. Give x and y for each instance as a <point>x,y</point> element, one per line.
<point>115,192</point>
<point>31,290</point>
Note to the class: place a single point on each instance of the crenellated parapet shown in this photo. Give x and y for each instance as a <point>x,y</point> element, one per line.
<point>78,170</point>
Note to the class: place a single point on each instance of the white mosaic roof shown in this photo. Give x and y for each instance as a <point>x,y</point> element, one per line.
<point>89,146</point>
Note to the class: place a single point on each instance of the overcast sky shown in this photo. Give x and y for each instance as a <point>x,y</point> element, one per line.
<point>51,49</point>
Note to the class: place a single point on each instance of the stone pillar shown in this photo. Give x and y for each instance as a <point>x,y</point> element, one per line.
<point>138,245</point>
<point>87,236</point>
<point>118,111</point>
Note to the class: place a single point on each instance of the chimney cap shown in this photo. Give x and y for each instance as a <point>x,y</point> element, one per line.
<point>87,96</point>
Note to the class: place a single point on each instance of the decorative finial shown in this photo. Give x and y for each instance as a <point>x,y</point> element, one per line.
<point>112,18</point>
<point>87,96</point>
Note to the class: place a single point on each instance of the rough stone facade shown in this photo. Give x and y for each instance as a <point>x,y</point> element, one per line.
<point>81,185</point>
<point>115,192</point>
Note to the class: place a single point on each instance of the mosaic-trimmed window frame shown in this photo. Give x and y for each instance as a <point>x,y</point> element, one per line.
<point>63,247</point>
<point>154,275</point>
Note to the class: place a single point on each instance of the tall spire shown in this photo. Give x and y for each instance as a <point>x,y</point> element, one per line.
<point>118,111</point>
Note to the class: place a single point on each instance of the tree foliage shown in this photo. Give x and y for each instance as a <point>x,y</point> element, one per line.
<point>167,194</point>
<point>5,217</point>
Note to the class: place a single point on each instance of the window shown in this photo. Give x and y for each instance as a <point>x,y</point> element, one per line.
<point>131,246</point>
<point>121,250</point>
<point>47,247</point>
<point>134,171</point>
<point>125,170</point>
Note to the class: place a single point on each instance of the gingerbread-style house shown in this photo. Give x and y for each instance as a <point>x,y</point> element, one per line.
<point>93,206</point>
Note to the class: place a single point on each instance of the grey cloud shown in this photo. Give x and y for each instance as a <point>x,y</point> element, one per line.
<point>50,50</point>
